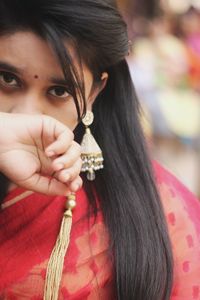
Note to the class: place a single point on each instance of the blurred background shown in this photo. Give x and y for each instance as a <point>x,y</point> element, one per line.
<point>164,62</point>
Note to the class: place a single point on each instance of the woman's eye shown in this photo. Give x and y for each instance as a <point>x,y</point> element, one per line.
<point>8,79</point>
<point>59,91</point>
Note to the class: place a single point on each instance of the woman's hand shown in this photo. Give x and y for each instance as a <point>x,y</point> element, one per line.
<point>39,153</point>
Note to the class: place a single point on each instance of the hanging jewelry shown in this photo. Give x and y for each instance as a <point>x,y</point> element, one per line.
<point>91,153</point>
<point>56,260</point>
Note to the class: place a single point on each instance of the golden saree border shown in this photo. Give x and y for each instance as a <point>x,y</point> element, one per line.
<point>16,199</point>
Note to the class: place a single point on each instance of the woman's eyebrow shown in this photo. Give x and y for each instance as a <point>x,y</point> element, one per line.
<point>62,81</point>
<point>10,68</point>
<point>59,81</point>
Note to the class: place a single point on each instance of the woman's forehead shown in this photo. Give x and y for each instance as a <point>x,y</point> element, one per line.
<point>27,52</point>
<point>31,55</point>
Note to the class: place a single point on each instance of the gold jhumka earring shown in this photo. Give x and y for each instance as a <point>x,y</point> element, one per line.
<point>91,153</point>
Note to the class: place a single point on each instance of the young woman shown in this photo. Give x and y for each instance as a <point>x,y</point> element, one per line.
<point>66,59</point>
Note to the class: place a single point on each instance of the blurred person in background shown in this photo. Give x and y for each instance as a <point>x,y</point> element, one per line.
<point>157,63</point>
<point>135,233</point>
<point>164,65</point>
<point>189,32</point>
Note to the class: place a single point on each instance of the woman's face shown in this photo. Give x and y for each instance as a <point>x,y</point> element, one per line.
<point>32,82</point>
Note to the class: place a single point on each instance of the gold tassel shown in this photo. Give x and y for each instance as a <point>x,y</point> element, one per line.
<point>56,261</point>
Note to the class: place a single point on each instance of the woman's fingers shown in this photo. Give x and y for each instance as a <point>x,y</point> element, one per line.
<point>68,159</point>
<point>45,185</point>
<point>70,176</point>
<point>67,164</point>
<point>76,184</point>
<point>71,173</point>
<point>61,145</point>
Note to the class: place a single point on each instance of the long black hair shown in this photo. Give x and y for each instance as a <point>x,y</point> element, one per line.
<point>125,187</point>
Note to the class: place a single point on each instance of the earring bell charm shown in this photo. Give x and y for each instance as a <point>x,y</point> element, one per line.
<point>91,153</point>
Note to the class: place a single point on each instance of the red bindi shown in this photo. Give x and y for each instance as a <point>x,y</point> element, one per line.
<point>36,76</point>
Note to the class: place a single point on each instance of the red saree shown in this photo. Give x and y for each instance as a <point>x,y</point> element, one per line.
<point>29,224</point>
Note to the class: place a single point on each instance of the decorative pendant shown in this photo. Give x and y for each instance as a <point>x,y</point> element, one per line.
<point>91,153</point>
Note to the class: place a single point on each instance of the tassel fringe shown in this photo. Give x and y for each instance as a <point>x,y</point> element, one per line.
<point>56,261</point>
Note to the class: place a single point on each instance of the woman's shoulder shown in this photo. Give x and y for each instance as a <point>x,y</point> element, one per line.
<point>182,210</point>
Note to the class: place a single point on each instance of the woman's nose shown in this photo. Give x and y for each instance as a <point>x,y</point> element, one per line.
<point>30,104</point>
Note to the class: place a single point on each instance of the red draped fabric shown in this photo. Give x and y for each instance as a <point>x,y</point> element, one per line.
<point>29,225</point>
